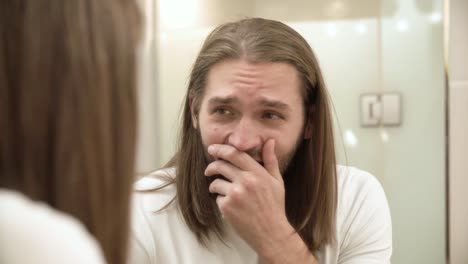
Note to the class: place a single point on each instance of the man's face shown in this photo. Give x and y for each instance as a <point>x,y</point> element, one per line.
<point>246,104</point>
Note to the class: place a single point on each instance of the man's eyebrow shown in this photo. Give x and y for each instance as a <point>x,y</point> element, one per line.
<point>223,100</point>
<point>262,102</point>
<point>274,104</point>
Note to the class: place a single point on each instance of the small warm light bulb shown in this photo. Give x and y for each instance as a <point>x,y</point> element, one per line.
<point>360,28</point>
<point>384,136</point>
<point>402,25</point>
<point>350,138</point>
<point>331,30</point>
<point>435,17</point>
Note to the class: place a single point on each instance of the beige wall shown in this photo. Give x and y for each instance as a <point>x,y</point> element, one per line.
<point>458,137</point>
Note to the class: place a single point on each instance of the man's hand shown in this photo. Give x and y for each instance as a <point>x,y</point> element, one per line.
<point>253,202</point>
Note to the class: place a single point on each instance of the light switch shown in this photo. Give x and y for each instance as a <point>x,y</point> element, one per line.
<point>380,109</point>
<point>391,103</point>
<point>371,110</point>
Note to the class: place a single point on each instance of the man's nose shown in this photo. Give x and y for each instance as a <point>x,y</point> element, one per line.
<point>246,137</point>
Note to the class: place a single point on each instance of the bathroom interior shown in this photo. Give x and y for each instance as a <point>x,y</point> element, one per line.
<point>397,75</point>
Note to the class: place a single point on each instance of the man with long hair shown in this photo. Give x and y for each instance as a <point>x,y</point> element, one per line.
<point>255,177</point>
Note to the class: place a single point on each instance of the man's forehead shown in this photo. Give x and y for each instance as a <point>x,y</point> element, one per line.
<point>276,80</point>
<point>248,73</point>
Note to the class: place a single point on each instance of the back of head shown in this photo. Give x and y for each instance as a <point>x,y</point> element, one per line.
<point>68,109</point>
<point>311,193</point>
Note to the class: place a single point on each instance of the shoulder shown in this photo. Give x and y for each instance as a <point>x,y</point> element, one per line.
<point>358,188</point>
<point>46,234</point>
<point>155,190</point>
<point>155,180</point>
<point>355,180</point>
<point>153,207</point>
<point>363,216</point>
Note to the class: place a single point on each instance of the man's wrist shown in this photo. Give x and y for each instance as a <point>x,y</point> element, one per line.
<point>287,247</point>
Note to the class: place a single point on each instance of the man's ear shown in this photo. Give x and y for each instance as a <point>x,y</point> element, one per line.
<point>308,128</point>
<point>193,113</point>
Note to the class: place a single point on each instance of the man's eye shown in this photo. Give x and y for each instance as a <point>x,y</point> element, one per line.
<point>222,111</point>
<point>272,116</point>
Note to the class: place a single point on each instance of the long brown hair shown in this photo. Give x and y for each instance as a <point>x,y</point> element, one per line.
<point>310,180</point>
<point>68,109</point>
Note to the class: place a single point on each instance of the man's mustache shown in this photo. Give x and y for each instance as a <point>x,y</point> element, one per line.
<point>256,154</point>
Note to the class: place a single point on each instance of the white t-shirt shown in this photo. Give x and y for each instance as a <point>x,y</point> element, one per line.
<point>33,232</point>
<point>364,230</point>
